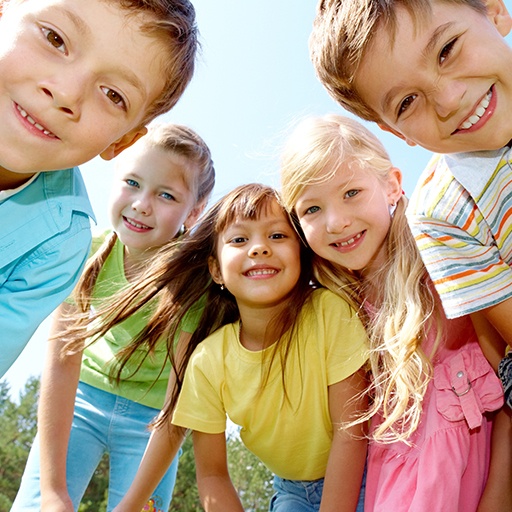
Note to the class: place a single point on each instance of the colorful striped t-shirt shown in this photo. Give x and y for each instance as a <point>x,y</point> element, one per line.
<point>461,217</point>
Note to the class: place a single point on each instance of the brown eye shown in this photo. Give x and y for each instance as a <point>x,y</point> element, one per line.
<point>54,39</point>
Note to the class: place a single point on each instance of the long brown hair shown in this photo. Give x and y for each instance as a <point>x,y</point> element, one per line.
<point>178,282</point>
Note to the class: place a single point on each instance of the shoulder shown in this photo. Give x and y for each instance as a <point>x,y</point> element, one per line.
<point>437,191</point>
<point>327,302</point>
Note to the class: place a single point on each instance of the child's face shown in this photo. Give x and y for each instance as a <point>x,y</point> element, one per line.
<point>346,219</point>
<point>76,78</point>
<point>446,81</point>
<point>258,260</point>
<point>153,197</point>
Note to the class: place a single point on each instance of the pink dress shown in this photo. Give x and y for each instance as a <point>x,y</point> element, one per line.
<point>445,469</point>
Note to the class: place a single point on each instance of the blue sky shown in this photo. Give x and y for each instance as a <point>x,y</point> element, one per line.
<point>253,80</point>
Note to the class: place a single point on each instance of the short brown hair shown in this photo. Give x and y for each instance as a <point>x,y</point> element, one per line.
<point>343,31</point>
<point>173,23</point>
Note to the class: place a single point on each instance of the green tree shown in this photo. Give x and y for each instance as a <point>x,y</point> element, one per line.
<point>251,478</point>
<point>18,428</point>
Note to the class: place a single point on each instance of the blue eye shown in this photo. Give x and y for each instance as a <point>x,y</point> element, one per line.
<point>312,209</point>
<point>352,193</point>
<point>132,183</point>
<point>168,196</point>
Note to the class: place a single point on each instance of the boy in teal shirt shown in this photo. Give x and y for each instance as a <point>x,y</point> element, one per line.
<point>77,79</point>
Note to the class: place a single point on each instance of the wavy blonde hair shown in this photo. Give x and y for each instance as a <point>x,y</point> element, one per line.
<point>406,307</point>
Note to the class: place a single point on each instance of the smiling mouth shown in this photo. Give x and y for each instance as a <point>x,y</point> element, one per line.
<point>135,224</point>
<point>346,243</point>
<point>41,128</point>
<point>261,272</point>
<point>479,112</point>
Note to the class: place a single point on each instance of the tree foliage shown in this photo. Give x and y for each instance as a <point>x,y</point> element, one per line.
<point>18,423</point>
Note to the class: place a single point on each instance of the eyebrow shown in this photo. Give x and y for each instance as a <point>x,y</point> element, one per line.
<point>83,29</point>
<point>430,47</point>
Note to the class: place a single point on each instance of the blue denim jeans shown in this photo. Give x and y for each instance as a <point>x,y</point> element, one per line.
<point>303,496</point>
<point>102,423</point>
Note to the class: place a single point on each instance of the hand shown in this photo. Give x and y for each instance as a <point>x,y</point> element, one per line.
<point>55,502</point>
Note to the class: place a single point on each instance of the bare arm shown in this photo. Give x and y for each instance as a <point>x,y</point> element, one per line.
<point>213,481</point>
<point>500,316</point>
<point>162,447</point>
<point>347,458</point>
<point>491,342</point>
<point>498,491</point>
<point>55,415</point>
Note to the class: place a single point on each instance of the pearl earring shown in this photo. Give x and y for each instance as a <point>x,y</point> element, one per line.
<point>392,208</point>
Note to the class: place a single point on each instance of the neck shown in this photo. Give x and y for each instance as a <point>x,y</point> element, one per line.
<point>135,262</point>
<point>256,328</point>
<point>10,180</point>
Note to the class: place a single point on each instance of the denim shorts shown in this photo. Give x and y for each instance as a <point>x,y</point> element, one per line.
<point>303,496</point>
<point>102,423</point>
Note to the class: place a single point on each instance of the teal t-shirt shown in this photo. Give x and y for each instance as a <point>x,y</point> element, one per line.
<point>148,384</point>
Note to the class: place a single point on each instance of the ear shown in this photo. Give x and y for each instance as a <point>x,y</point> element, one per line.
<point>194,214</point>
<point>395,191</point>
<point>213,267</point>
<point>124,142</point>
<point>498,15</point>
<point>386,128</point>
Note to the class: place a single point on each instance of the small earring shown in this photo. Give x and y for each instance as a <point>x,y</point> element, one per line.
<point>392,208</point>
<point>222,286</point>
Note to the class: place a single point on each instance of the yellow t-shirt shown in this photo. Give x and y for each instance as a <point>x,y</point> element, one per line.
<point>224,379</point>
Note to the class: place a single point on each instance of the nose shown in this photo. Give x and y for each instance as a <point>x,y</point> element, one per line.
<point>142,205</point>
<point>447,97</point>
<point>66,93</point>
<point>259,249</point>
<point>337,220</point>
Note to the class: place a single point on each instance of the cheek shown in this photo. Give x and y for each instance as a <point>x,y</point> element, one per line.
<point>312,235</point>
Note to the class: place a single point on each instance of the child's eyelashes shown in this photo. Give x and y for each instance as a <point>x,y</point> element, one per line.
<point>311,210</point>
<point>237,240</point>
<point>278,236</point>
<point>132,183</point>
<point>352,193</point>
<point>168,196</point>
<point>446,50</point>
<point>54,39</point>
<point>114,97</point>
<point>405,104</point>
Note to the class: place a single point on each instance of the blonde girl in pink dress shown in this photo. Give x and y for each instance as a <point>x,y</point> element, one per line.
<point>434,392</point>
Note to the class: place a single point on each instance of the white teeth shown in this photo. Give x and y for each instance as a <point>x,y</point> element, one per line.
<point>136,224</point>
<point>351,241</point>
<point>479,112</point>
<point>261,272</point>
<point>33,122</point>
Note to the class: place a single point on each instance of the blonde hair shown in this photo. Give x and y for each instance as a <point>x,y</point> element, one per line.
<point>174,138</point>
<point>406,307</point>
<point>343,31</point>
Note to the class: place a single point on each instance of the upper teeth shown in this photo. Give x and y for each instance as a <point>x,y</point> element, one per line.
<point>263,271</point>
<point>351,241</point>
<point>136,224</point>
<point>479,112</point>
<point>33,123</point>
